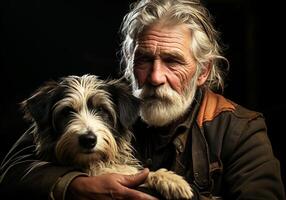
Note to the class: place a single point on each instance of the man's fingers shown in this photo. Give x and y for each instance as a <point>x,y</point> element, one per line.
<point>136,179</point>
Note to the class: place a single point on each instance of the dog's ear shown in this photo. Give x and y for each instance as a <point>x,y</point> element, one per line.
<point>37,107</point>
<point>128,105</point>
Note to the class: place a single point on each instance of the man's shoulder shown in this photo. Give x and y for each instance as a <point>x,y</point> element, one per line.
<point>214,105</point>
<point>225,123</point>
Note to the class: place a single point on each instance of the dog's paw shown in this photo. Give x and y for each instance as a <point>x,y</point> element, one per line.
<point>169,184</point>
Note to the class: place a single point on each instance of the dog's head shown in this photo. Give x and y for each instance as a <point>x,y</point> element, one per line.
<point>82,120</point>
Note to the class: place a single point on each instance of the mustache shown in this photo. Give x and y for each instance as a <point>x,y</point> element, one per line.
<point>164,92</point>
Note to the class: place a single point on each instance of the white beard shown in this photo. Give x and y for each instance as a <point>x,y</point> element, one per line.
<point>162,105</point>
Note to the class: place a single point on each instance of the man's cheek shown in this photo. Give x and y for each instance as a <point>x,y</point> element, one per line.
<point>175,83</point>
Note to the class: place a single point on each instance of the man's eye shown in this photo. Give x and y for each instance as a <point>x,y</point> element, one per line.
<point>142,60</point>
<point>171,60</point>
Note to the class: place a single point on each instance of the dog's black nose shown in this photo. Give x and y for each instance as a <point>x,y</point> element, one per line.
<point>87,140</point>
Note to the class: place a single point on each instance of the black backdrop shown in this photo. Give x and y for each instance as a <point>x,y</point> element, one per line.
<point>42,40</point>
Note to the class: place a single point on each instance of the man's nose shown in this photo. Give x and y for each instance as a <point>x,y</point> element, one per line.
<point>157,74</point>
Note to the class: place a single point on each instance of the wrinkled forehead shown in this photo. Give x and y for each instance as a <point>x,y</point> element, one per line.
<point>162,37</point>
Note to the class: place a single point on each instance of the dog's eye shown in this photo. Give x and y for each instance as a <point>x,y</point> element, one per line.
<point>104,113</point>
<point>61,119</point>
<point>95,108</point>
<point>65,112</point>
<point>101,110</point>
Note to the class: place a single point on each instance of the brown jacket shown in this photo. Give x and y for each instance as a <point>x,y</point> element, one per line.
<point>223,150</point>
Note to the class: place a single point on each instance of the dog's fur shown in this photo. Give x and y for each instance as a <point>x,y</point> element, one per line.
<point>84,122</point>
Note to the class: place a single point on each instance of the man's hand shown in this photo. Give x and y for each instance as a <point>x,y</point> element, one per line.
<point>108,187</point>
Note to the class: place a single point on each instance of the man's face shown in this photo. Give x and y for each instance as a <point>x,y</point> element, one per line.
<point>165,71</point>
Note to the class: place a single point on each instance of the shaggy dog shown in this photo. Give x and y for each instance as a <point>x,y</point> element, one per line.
<point>83,121</point>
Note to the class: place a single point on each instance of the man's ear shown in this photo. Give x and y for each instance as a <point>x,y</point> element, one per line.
<point>37,108</point>
<point>128,106</point>
<point>204,74</point>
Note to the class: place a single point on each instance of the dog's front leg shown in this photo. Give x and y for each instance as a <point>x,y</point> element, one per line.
<point>169,184</point>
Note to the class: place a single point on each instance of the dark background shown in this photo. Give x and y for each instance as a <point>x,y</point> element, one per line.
<point>47,39</point>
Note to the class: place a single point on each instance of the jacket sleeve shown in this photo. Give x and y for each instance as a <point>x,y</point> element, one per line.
<point>24,176</point>
<point>251,171</point>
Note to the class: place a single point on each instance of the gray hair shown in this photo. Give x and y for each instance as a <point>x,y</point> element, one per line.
<point>204,46</point>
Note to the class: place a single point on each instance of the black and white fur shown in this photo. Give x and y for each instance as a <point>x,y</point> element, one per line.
<point>84,122</point>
